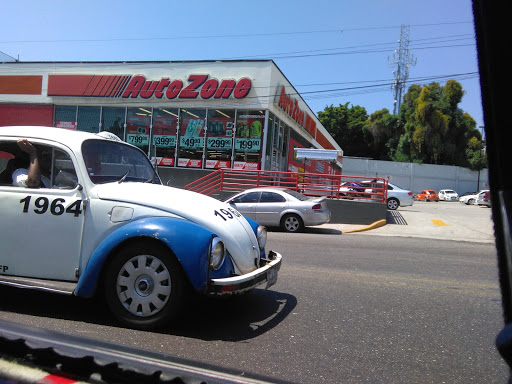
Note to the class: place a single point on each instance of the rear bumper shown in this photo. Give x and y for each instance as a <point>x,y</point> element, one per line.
<point>317,218</point>
<point>239,284</point>
<point>405,202</point>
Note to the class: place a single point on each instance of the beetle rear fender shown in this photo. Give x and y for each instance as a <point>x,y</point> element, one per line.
<point>189,242</point>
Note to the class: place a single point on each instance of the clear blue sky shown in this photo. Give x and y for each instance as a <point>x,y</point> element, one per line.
<point>333,52</point>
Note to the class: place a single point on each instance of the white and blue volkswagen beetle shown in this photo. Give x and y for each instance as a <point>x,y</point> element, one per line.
<point>104,223</point>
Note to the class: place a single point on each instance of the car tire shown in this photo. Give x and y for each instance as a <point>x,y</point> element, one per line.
<point>470,202</point>
<point>393,204</point>
<point>292,223</point>
<point>144,286</point>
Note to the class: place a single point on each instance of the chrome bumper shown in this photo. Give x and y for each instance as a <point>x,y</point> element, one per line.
<point>239,284</point>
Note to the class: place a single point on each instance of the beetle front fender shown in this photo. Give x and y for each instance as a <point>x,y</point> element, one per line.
<point>188,241</point>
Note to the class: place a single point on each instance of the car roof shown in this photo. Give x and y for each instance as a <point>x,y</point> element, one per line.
<point>70,138</point>
<point>263,189</point>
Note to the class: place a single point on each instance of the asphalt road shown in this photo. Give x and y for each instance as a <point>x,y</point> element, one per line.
<point>348,308</point>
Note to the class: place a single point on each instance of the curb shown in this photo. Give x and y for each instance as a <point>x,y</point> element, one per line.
<point>377,224</point>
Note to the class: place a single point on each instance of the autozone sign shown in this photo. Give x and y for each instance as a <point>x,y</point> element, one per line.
<point>291,107</point>
<point>132,87</point>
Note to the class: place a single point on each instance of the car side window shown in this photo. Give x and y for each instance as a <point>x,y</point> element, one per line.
<point>63,171</point>
<point>57,170</point>
<point>271,197</point>
<point>251,197</point>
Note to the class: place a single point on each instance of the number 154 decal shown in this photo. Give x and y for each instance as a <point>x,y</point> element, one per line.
<point>56,207</point>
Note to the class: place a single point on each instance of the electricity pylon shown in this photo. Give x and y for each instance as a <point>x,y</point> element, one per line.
<point>403,60</point>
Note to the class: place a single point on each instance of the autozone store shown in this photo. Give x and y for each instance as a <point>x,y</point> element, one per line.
<point>197,115</point>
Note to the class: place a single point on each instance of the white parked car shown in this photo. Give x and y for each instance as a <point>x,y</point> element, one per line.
<point>448,195</point>
<point>105,224</point>
<point>396,196</point>
<point>278,207</point>
<point>471,198</point>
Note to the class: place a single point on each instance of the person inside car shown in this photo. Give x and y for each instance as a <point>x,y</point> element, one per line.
<point>27,172</point>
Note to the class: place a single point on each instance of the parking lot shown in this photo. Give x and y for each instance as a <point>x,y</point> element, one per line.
<point>436,220</point>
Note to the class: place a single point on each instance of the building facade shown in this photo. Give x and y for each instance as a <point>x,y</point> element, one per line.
<point>195,115</point>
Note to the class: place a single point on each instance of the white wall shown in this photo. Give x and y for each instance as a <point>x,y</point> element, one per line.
<point>416,177</point>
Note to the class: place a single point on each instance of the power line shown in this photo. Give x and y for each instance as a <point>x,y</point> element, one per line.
<point>295,54</point>
<point>223,36</point>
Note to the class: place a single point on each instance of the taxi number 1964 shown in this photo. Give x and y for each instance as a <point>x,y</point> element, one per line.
<point>42,205</point>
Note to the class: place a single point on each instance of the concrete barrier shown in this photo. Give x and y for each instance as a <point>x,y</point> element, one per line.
<point>356,212</point>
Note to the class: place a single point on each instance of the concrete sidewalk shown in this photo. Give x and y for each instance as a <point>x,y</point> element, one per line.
<point>443,221</point>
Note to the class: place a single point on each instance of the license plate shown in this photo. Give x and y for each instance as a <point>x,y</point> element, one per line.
<point>271,277</point>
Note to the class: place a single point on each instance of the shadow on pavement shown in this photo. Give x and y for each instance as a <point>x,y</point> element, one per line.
<point>394,217</point>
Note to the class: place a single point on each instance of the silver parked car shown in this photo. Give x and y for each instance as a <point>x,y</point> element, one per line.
<point>285,208</point>
<point>396,196</point>
<point>484,199</point>
<point>448,195</point>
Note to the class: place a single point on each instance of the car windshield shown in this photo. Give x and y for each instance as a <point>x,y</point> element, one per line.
<point>109,161</point>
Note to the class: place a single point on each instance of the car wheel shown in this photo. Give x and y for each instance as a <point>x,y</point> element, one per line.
<point>292,223</point>
<point>144,286</point>
<point>471,201</point>
<point>393,204</point>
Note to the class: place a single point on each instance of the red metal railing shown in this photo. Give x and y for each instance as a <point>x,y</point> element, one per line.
<point>311,184</point>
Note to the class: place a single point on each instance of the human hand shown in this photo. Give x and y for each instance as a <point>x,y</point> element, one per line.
<point>26,146</point>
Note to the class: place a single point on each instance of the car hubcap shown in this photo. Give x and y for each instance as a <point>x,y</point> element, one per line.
<point>292,224</point>
<point>144,285</point>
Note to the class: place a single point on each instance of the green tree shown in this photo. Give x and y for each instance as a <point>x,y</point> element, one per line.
<point>383,133</point>
<point>435,129</point>
<point>346,126</point>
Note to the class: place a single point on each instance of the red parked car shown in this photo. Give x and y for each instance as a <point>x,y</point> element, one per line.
<point>427,195</point>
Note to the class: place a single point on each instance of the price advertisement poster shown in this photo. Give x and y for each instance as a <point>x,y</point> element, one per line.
<point>137,130</point>
<point>164,139</point>
<point>191,133</point>
<point>220,133</point>
<point>249,129</point>
<point>164,131</point>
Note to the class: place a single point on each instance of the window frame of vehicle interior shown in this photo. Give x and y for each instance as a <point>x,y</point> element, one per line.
<point>49,168</point>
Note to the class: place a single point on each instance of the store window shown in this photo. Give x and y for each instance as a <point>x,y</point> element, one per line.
<point>191,137</point>
<point>112,120</point>
<point>89,119</point>
<point>65,116</point>
<point>248,139</point>
<point>165,130</point>
<point>219,140</point>
<point>138,123</point>
<point>272,125</point>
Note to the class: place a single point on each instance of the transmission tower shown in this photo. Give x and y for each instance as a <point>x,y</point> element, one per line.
<point>403,60</point>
